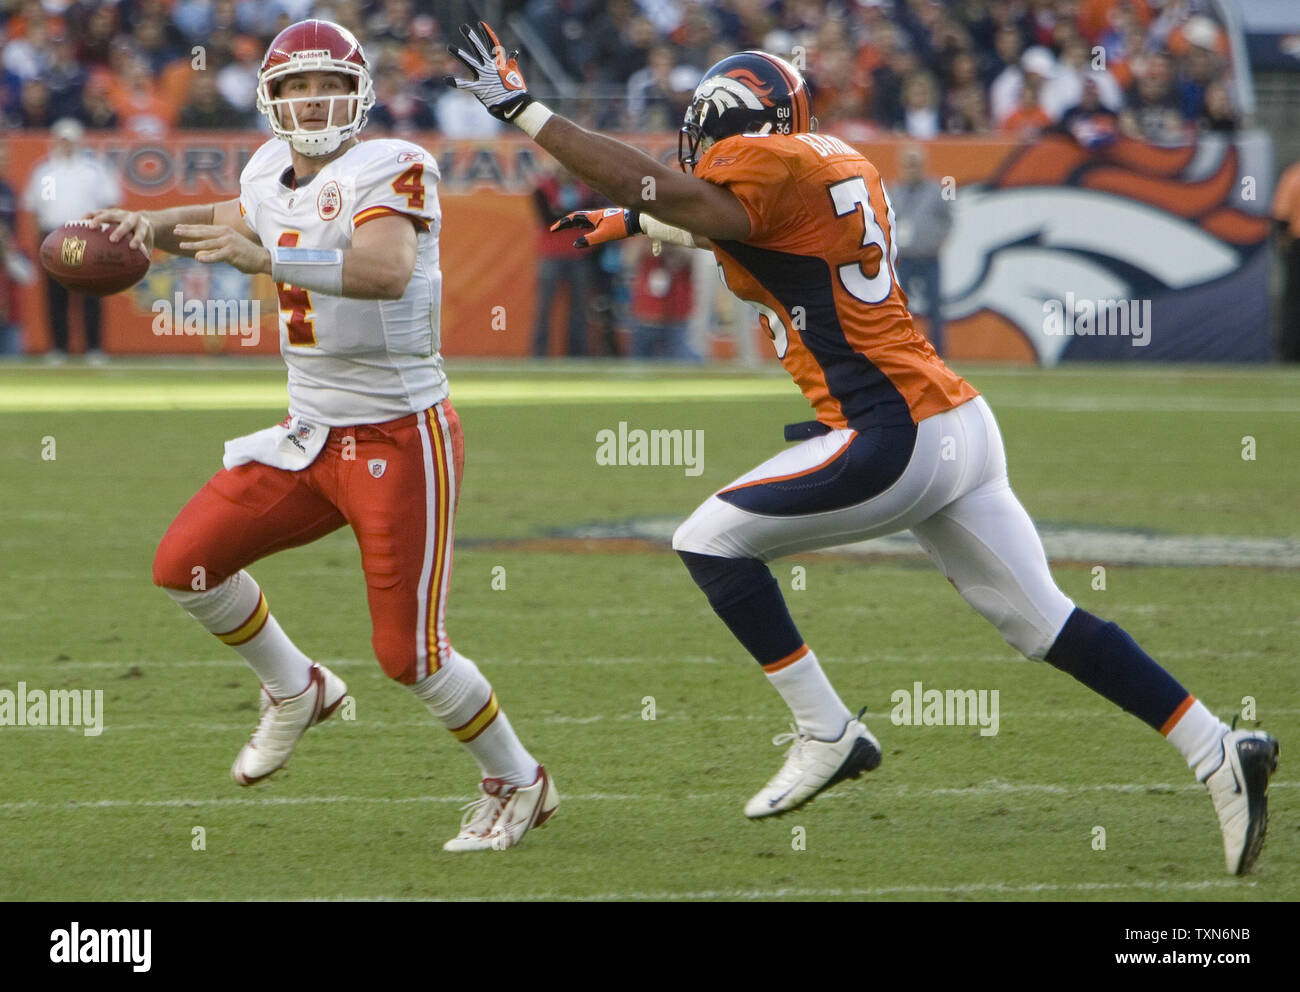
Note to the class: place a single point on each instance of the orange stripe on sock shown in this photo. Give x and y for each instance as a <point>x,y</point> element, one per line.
<point>787,661</point>
<point>250,628</point>
<point>1177,714</point>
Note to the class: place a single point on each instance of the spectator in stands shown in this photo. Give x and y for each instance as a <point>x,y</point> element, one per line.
<point>237,81</point>
<point>695,35</point>
<point>391,22</point>
<point>1028,120</point>
<point>831,75</point>
<point>1064,89</point>
<point>1151,111</point>
<point>153,45</point>
<point>924,219</point>
<point>27,56</point>
<point>397,110</point>
<point>560,264</point>
<point>965,109</point>
<point>921,106</point>
<point>8,199</point>
<point>64,76</point>
<point>34,109</point>
<point>1286,215</point>
<point>887,79</point>
<point>1008,46</point>
<point>1217,110</point>
<point>1090,122</point>
<point>15,268</point>
<point>69,184</point>
<point>207,109</point>
<point>97,112</point>
<point>652,93</point>
<point>95,42</point>
<point>1199,65</point>
<point>662,302</point>
<point>1036,64</point>
<point>141,110</point>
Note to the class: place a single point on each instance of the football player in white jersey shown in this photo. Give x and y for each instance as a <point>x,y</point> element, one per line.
<point>349,232</point>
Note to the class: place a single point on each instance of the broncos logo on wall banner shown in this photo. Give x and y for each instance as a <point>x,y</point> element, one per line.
<point>1131,251</point>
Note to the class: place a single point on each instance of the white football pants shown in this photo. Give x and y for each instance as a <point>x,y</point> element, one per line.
<point>953,496</point>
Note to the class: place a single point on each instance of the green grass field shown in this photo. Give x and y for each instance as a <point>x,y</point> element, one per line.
<point>587,627</point>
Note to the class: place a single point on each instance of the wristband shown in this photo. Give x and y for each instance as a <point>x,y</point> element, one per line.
<point>657,230</point>
<point>532,117</point>
<point>319,269</point>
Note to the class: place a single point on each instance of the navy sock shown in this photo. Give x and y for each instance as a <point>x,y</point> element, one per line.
<point>744,594</point>
<point>1103,657</point>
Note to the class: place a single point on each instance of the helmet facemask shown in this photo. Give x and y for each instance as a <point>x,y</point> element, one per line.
<point>342,121</point>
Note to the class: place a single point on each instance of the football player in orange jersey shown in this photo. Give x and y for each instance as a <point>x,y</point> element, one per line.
<point>802,229</point>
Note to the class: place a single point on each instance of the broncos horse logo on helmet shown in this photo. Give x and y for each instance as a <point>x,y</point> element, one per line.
<point>746,93</point>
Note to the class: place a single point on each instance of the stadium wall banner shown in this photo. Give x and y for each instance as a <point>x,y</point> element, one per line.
<point>1128,252</point>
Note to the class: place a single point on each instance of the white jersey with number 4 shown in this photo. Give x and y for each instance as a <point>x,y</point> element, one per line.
<point>353,361</point>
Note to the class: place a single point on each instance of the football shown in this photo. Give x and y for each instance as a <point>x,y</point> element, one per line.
<point>80,257</point>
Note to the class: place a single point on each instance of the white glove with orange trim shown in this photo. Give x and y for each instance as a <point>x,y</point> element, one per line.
<point>497,82</point>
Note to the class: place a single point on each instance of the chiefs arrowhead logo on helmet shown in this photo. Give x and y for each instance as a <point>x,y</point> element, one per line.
<point>315,46</point>
<point>747,93</point>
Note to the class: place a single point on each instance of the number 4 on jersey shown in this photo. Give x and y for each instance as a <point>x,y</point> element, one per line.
<point>295,303</point>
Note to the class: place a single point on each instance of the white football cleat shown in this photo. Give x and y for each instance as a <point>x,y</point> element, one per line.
<point>1237,776</point>
<point>281,724</point>
<point>505,813</point>
<point>812,766</point>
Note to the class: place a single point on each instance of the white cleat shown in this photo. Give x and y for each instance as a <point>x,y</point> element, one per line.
<point>281,725</point>
<point>1237,776</point>
<point>812,766</point>
<point>505,813</point>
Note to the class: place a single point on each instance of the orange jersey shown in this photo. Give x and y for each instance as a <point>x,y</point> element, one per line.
<point>819,267</point>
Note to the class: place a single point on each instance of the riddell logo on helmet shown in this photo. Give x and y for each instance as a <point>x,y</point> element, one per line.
<point>760,88</point>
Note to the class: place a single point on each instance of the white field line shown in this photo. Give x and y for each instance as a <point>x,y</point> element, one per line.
<point>993,788</point>
<point>874,718</point>
<point>970,888</point>
<point>46,666</point>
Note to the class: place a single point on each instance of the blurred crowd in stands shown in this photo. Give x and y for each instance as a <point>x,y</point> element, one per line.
<point>1095,69</point>
<point>1149,68</point>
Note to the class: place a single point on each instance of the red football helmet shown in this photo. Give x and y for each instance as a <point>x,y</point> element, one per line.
<point>316,46</point>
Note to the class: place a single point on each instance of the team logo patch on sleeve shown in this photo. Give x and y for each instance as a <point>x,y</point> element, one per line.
<point>330,201</point>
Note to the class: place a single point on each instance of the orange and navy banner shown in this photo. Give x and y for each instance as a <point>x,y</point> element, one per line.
<point>1047,239</point>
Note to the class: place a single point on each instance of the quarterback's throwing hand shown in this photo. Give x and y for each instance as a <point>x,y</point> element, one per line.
<point>216,243</point>
<point>610,224</point>
<point>497,81</point>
